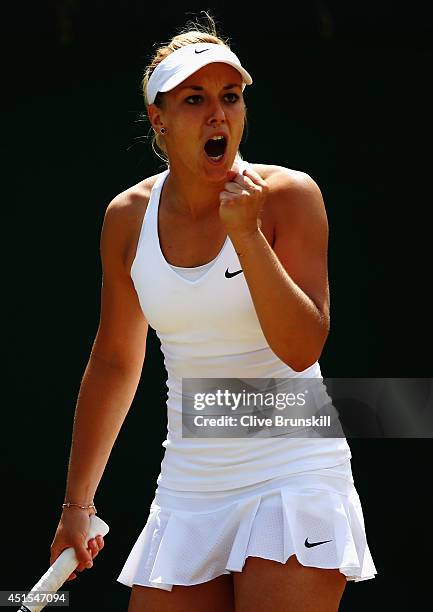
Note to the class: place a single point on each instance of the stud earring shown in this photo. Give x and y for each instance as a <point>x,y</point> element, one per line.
<point>162,131</point>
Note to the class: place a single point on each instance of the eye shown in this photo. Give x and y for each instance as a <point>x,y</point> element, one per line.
<point>231,97</point>
<point>194,99</point>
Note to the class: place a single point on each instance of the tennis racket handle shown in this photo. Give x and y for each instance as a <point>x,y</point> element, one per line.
<point>64,565</point>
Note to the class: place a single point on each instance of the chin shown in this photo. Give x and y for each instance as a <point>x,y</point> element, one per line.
<point>217,170</point>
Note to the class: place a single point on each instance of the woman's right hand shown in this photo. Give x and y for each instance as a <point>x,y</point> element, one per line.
<point>71,531</point>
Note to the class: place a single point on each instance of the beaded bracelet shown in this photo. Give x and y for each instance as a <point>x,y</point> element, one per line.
<point>69,504</point>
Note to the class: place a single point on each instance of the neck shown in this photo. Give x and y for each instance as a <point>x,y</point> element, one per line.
<point>191,194</point>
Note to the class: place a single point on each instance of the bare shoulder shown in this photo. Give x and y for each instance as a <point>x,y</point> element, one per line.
<point>280,178</point>
<point>126,205</point>
<point>122,222</point>
<point>293,194</point>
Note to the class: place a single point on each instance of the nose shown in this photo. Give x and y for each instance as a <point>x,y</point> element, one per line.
<point>216,114</point>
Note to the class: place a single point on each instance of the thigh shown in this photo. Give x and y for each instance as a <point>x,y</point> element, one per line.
<point>270,586</point>
<point>212,596</point>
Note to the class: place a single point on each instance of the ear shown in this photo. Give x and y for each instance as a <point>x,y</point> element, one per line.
<point>155,118</point>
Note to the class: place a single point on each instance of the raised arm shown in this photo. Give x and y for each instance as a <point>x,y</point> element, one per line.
<point>289,281</point>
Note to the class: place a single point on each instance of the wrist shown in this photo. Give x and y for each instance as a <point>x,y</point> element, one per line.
<point>89,508</point>
<point>74,510</point>
<point>245,241</point>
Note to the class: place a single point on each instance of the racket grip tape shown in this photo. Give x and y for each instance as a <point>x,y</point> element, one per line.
<point>63,566</point>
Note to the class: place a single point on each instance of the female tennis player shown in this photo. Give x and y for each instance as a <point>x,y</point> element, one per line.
<point>227,261</point>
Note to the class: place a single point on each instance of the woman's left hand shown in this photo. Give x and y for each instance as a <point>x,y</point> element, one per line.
<point>241,203</point>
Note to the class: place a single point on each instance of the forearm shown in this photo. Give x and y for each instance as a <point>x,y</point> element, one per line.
<point>294,327</point>
<point>105,396</point>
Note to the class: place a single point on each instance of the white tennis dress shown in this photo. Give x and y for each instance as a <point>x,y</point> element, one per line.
<point>220,500</point>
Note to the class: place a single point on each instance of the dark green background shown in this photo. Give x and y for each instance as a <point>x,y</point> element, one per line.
<point>340,92</point>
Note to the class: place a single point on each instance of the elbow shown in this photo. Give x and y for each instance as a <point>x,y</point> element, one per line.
<point>302,357</point>
<point>296,361</point>
<point>300,366</point>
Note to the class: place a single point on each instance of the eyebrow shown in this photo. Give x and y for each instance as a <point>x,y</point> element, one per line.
<point>199,88</point>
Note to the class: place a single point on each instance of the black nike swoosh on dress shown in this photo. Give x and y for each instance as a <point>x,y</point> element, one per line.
<point>231,274</point>
<point>311,544</point>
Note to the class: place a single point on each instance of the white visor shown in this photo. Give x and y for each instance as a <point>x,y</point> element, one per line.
<point>183,62</point>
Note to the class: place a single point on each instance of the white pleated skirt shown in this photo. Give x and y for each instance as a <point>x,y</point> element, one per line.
<point>191,537</point>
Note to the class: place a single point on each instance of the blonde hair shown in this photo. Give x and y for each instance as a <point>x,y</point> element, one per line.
<point>192,32</point>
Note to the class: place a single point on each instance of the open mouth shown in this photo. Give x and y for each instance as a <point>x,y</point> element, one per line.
<point>215,148</point>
